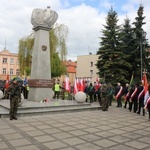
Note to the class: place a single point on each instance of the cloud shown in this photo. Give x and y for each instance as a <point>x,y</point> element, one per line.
<point>84,20</point>
<point>84,24</point>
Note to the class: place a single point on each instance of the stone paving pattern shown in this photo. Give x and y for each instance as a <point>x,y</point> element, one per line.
<point>116,129</point>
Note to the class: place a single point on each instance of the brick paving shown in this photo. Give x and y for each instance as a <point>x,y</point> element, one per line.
<point>116,129</point>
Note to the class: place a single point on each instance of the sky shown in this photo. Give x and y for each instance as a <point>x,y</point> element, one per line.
<point>84,19</point>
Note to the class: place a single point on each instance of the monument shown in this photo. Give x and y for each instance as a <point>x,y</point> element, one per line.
<point>40,82</point>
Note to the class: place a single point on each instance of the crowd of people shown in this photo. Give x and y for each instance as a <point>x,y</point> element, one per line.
<point>135,98</point>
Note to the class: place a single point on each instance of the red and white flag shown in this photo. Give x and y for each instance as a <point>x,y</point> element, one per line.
<point>75,87</point>
<point>82,85</point>
<point>7,82</point>
<point>67,84</point>
<point>145,83</point>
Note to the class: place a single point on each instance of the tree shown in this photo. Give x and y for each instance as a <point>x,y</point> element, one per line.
<point>111,61</point>
<point>141,44</point>
<point>58,51</point>
<point>127,43</point>
<point>25,54</point>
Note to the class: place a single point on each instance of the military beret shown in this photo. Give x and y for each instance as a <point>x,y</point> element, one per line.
<point>14,79</point>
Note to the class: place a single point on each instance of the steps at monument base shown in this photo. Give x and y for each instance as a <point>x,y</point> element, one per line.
<point>26,111</point>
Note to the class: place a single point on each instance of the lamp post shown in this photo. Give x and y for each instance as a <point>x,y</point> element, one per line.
<point>143,35</point>
<point>141,42</point>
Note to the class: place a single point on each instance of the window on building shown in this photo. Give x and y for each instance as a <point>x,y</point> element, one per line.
<point>17,62</point>
<point>4,70</point>
<point>11,71</point>
<point>4,60</point>
<point>91,64</point>
<point>11,60</point>
<point>17,72</point>
<point>91,72</point>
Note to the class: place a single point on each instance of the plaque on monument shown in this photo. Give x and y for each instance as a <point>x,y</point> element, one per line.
<point>38,83</point>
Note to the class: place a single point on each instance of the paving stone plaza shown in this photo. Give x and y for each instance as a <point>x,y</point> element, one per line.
<point>116,129</point>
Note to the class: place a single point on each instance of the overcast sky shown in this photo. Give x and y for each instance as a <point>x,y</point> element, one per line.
<point>84,18</point>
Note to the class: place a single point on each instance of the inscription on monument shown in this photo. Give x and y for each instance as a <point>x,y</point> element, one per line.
<point>38,83</point>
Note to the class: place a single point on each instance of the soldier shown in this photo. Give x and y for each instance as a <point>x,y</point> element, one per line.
<point>104,97</point>
<point>15,95</point>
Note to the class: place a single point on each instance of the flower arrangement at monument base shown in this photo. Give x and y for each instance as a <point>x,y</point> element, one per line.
<point>45,100</point>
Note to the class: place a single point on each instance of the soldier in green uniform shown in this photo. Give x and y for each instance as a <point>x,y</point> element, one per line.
<point>15,94</point>
<point>104,97</point>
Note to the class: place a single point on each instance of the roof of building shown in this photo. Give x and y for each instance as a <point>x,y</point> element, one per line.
<point>70,63</point>
<point>71,66</point>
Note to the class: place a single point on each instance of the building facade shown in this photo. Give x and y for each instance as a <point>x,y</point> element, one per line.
<point>70,71</point>
<point>86,67</point>
<point>9,64</point>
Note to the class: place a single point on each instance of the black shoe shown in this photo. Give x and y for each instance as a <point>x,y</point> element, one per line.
<point>117,106</point>
<point>11,118</point>
<point>124,106</point>
<point>15,118</point>
<point>138,112</point>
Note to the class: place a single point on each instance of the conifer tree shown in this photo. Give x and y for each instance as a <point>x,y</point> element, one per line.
<point>140,48</point>
<point>127,43</point>
<point>111,61</point>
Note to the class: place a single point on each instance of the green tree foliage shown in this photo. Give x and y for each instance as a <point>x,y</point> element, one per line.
<point>58,51</point>
<point>25,54</point>
<point>141,44</point>
<point>111,61</point>
<point>127,43</point>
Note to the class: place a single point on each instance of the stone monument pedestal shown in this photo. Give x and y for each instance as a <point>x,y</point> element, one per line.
<point>40,82</point>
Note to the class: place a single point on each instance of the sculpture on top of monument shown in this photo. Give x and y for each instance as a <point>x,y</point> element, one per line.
<point>43,17</point>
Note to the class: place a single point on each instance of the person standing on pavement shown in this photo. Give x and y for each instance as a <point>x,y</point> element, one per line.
<point>141,99</point>
<point>118,94</point>
<point>147,101</point>
<point>134,99</point>
<point>15,95</point>
<point>126,94</point>
<point>104,97</point>
<point>91,92</point>
<point>57,90</point>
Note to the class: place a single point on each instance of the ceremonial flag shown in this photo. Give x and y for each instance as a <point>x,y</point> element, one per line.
<point>67,84</point>
<point>131,81</point>
<point>7,82</point>
<point>145,83</point>
<point>75,87</point>
<point>82,85</point>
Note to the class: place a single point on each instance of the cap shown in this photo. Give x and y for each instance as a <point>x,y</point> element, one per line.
<point>14,79</point>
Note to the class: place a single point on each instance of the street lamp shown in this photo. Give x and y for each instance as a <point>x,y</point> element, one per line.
<point>141,42</point>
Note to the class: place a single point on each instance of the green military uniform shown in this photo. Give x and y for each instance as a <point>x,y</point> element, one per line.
<point>15,95</point>
<point>104,97</point>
